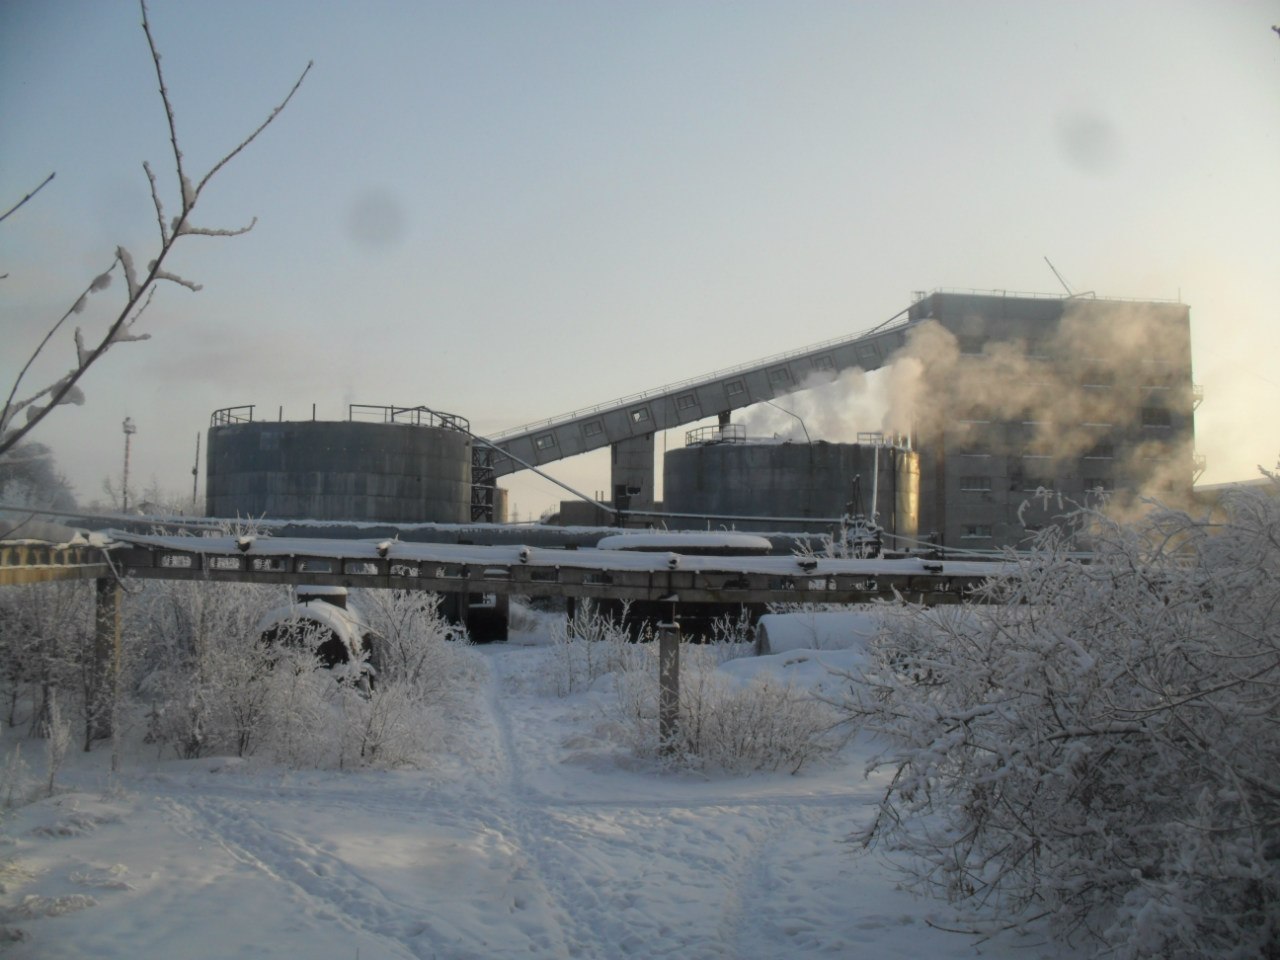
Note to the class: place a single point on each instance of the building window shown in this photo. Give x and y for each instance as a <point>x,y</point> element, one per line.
<point>780,375</point>
<point>971,346</point>
<point>640,415</point>
<point>975,483</point>
<point>975,451</point>
<point>734,387</point>
<point>545,442</point>
<point>823,363</point>
<point>1099,483</point>
<point>686,401</point>
<point>976,531</point>
<point>1156,417</point>
<point>868,353</point>
<point>1101,451</point>
<point>592,428</point>
<point>1032,484</point>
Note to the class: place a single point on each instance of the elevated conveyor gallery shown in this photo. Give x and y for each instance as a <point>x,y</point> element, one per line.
<point>629,424</point>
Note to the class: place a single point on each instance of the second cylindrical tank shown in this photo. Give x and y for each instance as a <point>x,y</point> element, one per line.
<point>773,480</point>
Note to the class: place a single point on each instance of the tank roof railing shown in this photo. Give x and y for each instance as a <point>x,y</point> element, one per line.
<point>728,433</point>
<point>418,416</point>
<point>229,415</point>
<point>876,438</point>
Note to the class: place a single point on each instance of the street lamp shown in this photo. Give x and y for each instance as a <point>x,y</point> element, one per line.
<point>129,431</point>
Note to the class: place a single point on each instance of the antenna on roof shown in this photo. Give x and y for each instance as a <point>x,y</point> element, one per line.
<point>1070,293</point>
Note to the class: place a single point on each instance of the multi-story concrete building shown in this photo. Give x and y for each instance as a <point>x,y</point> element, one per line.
<point>1026,406</point>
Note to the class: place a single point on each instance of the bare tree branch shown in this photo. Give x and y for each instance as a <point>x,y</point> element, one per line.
<point>5,216</point>
<point>139,291</point>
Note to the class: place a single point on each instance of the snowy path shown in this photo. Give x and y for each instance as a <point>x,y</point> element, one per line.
<point>539,842</point>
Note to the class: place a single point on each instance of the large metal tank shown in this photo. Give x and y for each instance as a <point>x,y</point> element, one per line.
<point>411,466</point>
<point>741,478</point>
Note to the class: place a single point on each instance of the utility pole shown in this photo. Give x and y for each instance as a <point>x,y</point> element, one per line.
<point>195,474</point>
<point>129,431</point>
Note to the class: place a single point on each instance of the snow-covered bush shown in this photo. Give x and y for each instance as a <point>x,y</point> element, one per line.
<point>587,646</point>
<point>723,724</point>
<point>1100,745</point>
<point>212,684</point>
<point>412,642</point>
<point>46,644</point>
<point>205,672</point>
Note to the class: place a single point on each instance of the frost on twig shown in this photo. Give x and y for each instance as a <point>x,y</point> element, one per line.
<point>139,288</point>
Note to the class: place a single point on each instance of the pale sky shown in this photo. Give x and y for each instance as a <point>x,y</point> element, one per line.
<point>511,210</point>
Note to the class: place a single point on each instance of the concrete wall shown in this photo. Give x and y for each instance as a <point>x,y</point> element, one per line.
<point>788,480</point>
<point>339,471</point>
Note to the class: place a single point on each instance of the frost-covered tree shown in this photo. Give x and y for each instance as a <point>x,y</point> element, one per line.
<point>29,477</point>
<point>140,279</point>
<point>1099,747</point>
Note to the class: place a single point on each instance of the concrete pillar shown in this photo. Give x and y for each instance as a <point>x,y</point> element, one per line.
<point>632,476</point>
<point>108,596</point>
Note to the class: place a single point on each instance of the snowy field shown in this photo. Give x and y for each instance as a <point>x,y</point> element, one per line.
<point>528,835</point>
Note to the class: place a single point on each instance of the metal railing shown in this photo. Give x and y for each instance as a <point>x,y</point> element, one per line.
<point>418,416</point>
<point>729,433</point>
<point>230,415</point>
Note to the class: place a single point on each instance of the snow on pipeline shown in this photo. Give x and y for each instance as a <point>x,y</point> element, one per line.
<point>528,835</point>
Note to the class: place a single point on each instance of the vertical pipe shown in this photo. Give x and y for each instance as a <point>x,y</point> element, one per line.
<point>875,486</point>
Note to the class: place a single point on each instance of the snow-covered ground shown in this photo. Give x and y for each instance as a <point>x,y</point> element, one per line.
<point>531,835</point>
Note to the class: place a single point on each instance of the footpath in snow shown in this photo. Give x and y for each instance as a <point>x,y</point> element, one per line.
<point>531,836</point>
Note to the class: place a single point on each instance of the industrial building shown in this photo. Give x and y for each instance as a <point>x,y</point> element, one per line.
<point>1023,407</point>
<point>1027,406</point>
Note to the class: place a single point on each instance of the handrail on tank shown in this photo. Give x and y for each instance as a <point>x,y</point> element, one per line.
<point>418,416</point>
<point>729,433</point>
<point>230,415</point>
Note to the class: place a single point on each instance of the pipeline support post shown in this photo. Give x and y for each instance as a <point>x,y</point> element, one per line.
<point>668,685</point>
<point>108,599</point>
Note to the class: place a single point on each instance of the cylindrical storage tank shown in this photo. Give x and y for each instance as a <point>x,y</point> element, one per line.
<point>790,480</point>
<point>344,470</point>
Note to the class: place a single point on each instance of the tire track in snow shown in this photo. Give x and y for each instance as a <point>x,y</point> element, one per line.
<point>515,808</point>
<point>334,891</point>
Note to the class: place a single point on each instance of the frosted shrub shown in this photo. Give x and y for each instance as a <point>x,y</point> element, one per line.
<point>46,646</point>
<point>1099,747</point>
<point>585,647</point>
<point>300,728</point>
<point>204,679</point>
<point>414,644</point>
<point>426,674</point>
<point>723,725</point>
<point>388,727</point>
